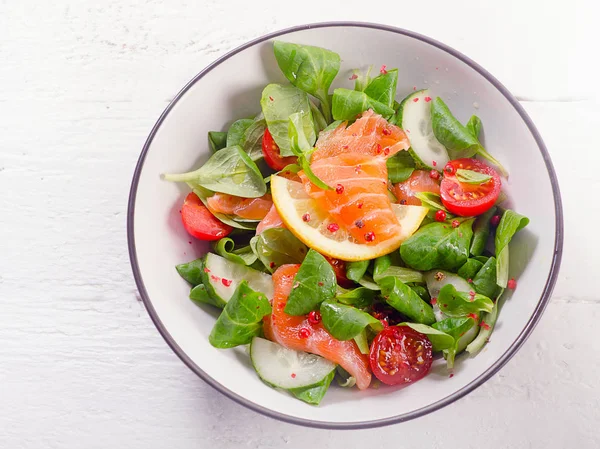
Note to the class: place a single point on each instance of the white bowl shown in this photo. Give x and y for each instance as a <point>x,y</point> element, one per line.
<point>230,88</point>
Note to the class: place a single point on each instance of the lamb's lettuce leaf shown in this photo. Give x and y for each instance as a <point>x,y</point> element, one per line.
<point>311,69</point>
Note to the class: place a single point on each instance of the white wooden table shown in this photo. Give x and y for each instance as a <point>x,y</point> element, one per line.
<point>82,83</point>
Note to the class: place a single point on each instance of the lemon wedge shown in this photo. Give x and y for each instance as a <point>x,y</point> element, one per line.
<point>303,218</point>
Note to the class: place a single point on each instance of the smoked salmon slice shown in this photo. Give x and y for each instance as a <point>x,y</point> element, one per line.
<point>419,181</point>
<point>248,208</point>
<point>271,220</point>
<point>371,134</point>
<point>285,330</point>
<point>352,161</point>
<point>358,200</point>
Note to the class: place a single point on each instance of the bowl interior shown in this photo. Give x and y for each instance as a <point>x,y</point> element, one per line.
<point>231,89</point>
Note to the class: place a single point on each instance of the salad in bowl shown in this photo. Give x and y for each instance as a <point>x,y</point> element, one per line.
<point>357,233</point>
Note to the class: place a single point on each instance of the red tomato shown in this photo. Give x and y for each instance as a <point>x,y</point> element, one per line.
<point>400,355</point>
<point>465,199</point>
<point>199,222</point>
<point>339,267</point>
<point>272,154</point>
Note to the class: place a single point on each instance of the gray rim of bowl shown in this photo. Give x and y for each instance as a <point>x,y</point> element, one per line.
<point>544,299</point>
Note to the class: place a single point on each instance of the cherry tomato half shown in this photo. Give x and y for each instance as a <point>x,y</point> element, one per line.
<point>272,154</point>
<point>400,355</point>
<point>199,222</point>
<point>465,199</point>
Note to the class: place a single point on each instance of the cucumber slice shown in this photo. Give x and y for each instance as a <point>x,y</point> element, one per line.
<point>414,117</point>
<point>467,338</point>
<point>435,280</point>
<point>286,368</point>
<point>217,269</point>
<point>314,394</point>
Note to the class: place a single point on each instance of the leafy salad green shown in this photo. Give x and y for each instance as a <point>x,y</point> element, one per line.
<point>308,315</point>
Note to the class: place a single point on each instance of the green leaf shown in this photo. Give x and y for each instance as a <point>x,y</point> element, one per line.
<point>458,139</point>
<point>311,69</point>
<point>235,133</point>
<point>432,201</point>
<point>458,304</point>
<point>243,255</point>
<point>382,88</point>
<point>191,271</point>
<point>421,291</point>
<point>474,126</point>
<point>241,318</point>
<point>344,378</point>
<point>253,136</point>
<point>346,322</point>
<point>484,281</point>
<point>469,269</point>
<point>405,275</point>
<point>348,104</point>
<point>450,132</point>
<point>229,170</point>
<point>318,118</point>
<point>380,265</point>
<point>356,270</point>
<point>292,168</point>
<point>278,246</point>
<point>482,259</point>
<point>301,148</point>
<point>203,194</point>
<point>481,232</point>
<point>455,327</point>
<point>402,298</point>
<point>439,339</point>
<point>217,140</point>
<point>400,166</point>
<point>397,115</point>
<point>509,225</point>
<point>368,282</point>
<point>362,79</point>
<point>313,394</point>
<point>360,297</point>
<point>438,245</point>
<point>298,143</point>
<point>488,321</point>
<point>311,176</point>
<point>333,125</point>
<point>491,159</point>
<point>362,341</point>
<point>199,295</point>
<point>472,177</point>
<point>278,103</point>
<point>314,283</point>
